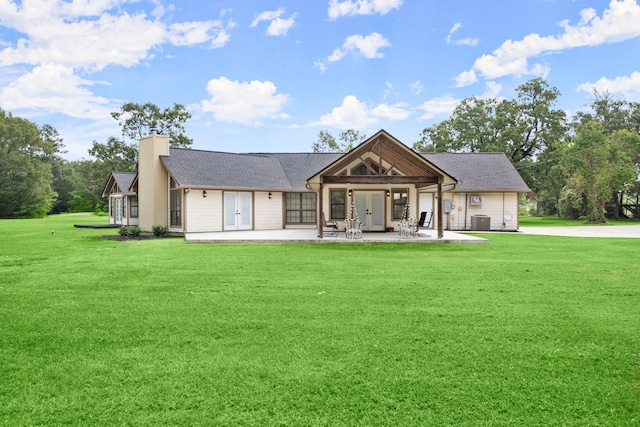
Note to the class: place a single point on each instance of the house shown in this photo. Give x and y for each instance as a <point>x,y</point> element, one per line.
<point>123,201</point>
<point>192,191</point>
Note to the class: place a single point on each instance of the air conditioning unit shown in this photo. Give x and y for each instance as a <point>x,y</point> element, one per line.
<point>475,200</point>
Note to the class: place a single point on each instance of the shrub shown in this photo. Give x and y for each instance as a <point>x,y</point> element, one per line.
<point>160,231</point>
<point>130,230</point>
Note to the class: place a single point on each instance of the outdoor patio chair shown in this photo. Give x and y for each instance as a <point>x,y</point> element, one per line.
<point>408,228</point>
<point>353,229</point>
<point>331,225</point>
<point>423,217</point>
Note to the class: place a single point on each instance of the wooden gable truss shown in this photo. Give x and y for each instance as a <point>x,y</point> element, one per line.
<point>382,160</point>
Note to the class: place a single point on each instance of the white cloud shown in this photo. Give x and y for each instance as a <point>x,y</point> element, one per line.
<point>277,26</point>
<point>467,41</point>
<point>438,106</point>
<point>85,35</point>
<point>55,89</point>
<point>397,111</point>
<point>198,32</point>
<point>356,114</point>
<point>416,87</point>
<point>368,46</point>
<point>466,78</point>
<point>269,15</point>
<point>387,91</point>
<point>61,39</point>
<point>621,21</point>
<point>629,86</point>
<point>320,65</point>
<point>280,27</point>
<point>352,114</point>
<point>84,43</point>
<point>361,7</point>
<point>492,90</point>
<point>453,29</point>
<point>246,103</point>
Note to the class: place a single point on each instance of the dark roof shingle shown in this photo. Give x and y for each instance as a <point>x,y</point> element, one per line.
<point>479,171</point>
<point>124,181</point>
<point>290,171</point>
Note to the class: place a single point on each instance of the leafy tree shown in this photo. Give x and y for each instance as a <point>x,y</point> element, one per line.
<point>326,142</point>
<point>615,115</point>
<point>136,120</point>
<point>118,155</point>
<point>89,177</point>
<point>88,182</point>
<point>601,165</point>
<point>25,169</point>
<point>521,128</point>
<point>61,182</point>
<point>114,156</point>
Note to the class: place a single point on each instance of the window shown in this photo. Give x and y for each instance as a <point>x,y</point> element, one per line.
<point>133,206</point>
<point>400,199</point>
<point>360,170</point>
<point>175,205</point>
<point>124,207</point>
<point>301,208</point>
<point>370,168</point>
<point>338,198</point>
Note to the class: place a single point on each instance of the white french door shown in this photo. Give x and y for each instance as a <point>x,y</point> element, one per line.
<point>370,207</point>
<point>118,211</point>
<point>237,211</point>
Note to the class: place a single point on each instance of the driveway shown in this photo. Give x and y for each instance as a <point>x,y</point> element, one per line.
<point>623,231</point>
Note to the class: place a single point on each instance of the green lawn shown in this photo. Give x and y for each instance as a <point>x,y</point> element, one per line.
<point>525,331</point>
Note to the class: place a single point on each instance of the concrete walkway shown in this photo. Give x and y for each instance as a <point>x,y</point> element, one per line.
<point>310,235</point>
<point>622,231</point>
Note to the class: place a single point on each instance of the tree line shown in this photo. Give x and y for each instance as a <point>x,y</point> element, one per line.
<point>36,180</point>
<point>585,166</point>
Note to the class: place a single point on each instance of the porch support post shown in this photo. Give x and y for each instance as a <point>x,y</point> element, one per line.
<point>319,214</point>
<point>440,221</point>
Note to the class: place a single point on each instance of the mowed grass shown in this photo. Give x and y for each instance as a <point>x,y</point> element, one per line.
<point>527,330</point>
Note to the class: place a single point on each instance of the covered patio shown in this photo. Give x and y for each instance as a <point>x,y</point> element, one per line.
<point>311,235</point>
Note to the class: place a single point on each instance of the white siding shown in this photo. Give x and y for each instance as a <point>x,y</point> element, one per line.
<point>202,213</point>
<point>502,208</point>
<point>267,211</point>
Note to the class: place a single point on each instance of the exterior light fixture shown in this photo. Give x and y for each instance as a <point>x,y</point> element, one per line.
<point>204,193</point>
<point>388,193</point>
<point>270,194</point>
<point>350,193</point>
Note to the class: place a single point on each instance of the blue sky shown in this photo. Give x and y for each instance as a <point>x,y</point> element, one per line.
<point>269,75</point>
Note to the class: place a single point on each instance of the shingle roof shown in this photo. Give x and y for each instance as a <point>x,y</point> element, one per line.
<point>290,171</point>
<point>300,166</point>
<point>225,170</point>
<point>124,181</point>
<point>479,171</point>
<point>269,171</point>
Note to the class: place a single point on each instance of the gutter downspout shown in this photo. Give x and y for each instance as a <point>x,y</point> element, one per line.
<point>320,213</point>
<point>466,209</point>
<point>503,221</point>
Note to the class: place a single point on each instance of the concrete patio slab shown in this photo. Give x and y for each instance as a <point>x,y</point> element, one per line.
<point>310,235</point>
